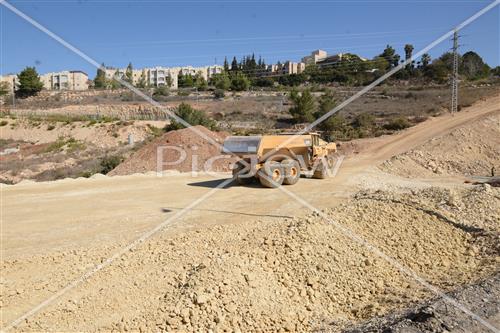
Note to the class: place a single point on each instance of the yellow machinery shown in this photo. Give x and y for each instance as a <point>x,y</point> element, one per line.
<point>279,159</point>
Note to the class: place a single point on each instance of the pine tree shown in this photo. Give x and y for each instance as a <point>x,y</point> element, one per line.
<point>253,64</point>
<point>234,65</point>
<point>115,84</point>
<point>29,83</point>
<point>391,56</point>
<point>226,65</point>
<point>142,80</point>
<point>425,60</point>
<point>129,73</point>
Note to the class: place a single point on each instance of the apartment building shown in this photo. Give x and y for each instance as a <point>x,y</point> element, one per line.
<point>160,76</point>
<point>293,67</point>
<point>332,60</point>
<point>65,80</point>
<point>315,57</point>
<point>205,71</point>
<point>288,67</point>
<point>11,80</point>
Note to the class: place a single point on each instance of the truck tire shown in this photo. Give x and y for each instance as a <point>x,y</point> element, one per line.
<point>292,172</point>
<point>237,169</point>
<point>271,175</point>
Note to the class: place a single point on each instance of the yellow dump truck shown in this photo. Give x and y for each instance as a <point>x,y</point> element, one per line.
<point>280,159</point>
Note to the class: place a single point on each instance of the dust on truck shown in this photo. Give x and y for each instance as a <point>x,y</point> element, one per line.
<point>280,159</point>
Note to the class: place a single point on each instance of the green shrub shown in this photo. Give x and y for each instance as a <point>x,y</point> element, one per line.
<point>3,123</point>
<point>56,146</point>
<point>192,116</point>
<point>304,106</point>
<point>108,163</point>
<point>156,131</point>
<point>364,120</point>
<point>50,127</point>
<point>397,124</point>
<point>219,93</point>
<point>75,145</point>
<point>240,82</point>
<point>161,91</point>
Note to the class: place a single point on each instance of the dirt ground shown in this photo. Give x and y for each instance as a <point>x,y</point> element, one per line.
<point>44,150</point>
<point>247,258</point>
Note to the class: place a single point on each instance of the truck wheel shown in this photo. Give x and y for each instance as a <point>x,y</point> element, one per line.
<point>239,169</point>
<point>271,175</point>
<point>321,171</point>
<point>292,172</point>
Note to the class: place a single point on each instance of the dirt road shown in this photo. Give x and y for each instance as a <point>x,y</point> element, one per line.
<point>58,215</point>
<point>45,219</point>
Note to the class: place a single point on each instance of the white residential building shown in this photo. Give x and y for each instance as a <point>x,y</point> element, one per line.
<point>11,80</point>
<point>65,80</point>
<point>315,57</point>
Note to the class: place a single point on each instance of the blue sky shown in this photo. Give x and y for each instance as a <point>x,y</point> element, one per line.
<point>201,32</point>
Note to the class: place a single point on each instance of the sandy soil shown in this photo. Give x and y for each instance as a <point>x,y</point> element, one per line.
<point>247,256</point>
<point>103,135</point>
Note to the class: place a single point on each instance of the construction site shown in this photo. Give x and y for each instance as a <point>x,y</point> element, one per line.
<point>316,207</point>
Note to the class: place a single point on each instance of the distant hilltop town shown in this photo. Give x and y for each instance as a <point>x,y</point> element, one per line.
<point>159,76</point>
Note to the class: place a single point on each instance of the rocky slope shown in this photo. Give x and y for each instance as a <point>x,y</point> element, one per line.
<point>473,149</point>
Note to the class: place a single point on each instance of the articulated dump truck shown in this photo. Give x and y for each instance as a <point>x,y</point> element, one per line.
<point>280,159</point>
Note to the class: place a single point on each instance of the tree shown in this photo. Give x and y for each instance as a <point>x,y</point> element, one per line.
<point>408,54</point>
<point>325,104</point>
<point>192,116</point>
<point>29,83</point>
<point>185,81</point>
<point>425,60</point>
<point>380,63</point>
<point>304,107</point>
<point>391,56</point>
<point>441,68</point>
<point>115,84</point>
<point>226,65</point>
<point>240,82</point>
<point>100,80</point>
<point>364,120</point>
<point>200,83</point>
<point>142,83</point>
<point>408,51</point>
<point>473,66</point>
<point>234,65</point>
<point>129,73</point>
<point>495,71</point>
<point>221,81</point>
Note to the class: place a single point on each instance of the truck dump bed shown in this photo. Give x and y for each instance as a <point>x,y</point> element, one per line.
<point>260,145</point>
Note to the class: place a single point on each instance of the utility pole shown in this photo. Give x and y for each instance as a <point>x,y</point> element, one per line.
<point>14,93</point>
<point>454,78</point>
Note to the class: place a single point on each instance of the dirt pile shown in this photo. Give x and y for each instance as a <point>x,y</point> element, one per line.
<point>181,150</point>
<point>290,274</point>
<point>473,149</point>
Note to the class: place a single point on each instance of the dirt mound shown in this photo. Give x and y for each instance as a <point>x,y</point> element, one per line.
<point>473,149</point>
<point>181,150</point>
<point>482,298</point>
<point>297,274</point>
